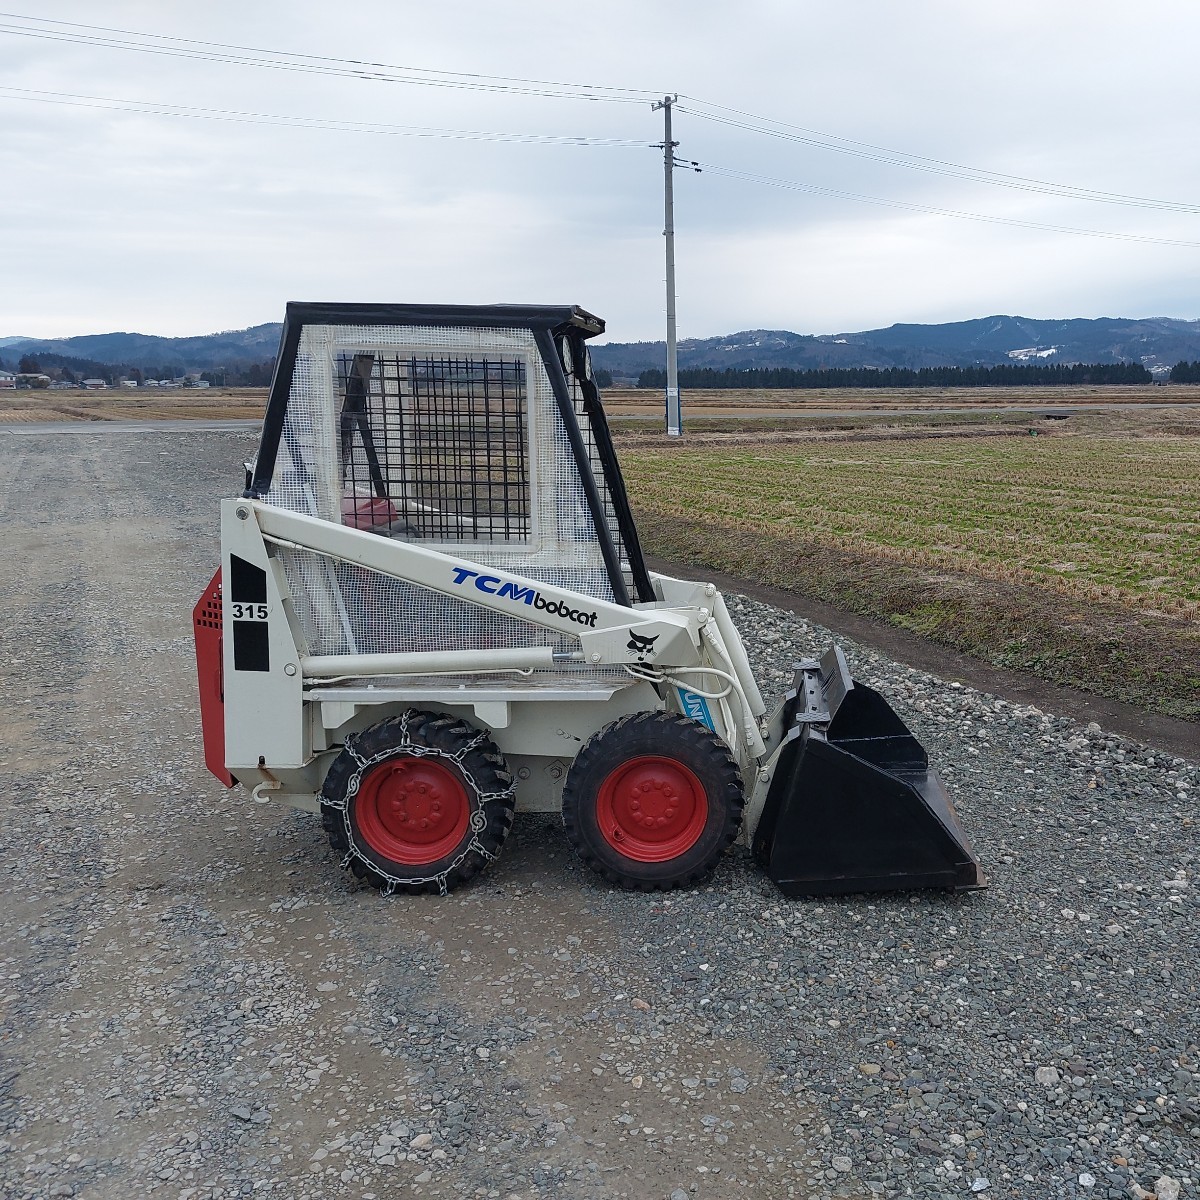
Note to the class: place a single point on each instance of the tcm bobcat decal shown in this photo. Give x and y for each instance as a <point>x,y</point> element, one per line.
<point>642,647</point>
<point>507,589</point>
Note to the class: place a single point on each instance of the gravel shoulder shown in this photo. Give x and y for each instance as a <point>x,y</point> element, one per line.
<point>196,1002</point>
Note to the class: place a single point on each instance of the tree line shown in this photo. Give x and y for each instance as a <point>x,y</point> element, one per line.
<point>66,368</point>
<point>1003,375</point>
<point>1185,372</point>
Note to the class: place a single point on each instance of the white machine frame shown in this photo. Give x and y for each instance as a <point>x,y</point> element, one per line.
<point>679,653</point>
<point>435,556</point>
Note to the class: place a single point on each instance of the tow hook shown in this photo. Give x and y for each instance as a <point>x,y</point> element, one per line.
<point>270,784</point>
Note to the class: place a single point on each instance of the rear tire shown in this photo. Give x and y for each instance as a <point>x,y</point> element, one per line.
<point>652,801</point>
<point>420,802</point>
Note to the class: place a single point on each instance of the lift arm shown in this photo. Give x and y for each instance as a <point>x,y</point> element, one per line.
<point>609,634</point>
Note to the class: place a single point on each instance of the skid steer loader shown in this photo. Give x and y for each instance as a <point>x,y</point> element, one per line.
<point>432,611</point>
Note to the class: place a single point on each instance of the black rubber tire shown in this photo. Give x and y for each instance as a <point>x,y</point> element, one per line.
<point>455,745</point>
<point>661,735</point>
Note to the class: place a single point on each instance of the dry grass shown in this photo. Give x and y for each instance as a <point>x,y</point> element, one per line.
<point>1097,518</point>
<point>749,401</point>
<point>740,405</point>
<point>113,404</point>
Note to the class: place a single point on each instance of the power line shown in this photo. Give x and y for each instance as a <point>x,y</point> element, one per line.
<point>321,124</point>
<point>151,108</point>
<point>637,94</point>
<point>815,189</point>
<point>104,37</point>
<point>899,158</point>
<point>232,54</point>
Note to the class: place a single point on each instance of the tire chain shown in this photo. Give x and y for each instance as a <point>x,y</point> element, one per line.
<point>478,816</point>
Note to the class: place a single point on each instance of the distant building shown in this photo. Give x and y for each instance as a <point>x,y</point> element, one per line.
<point>7,379</point>
<point>129,383</point>
<point>150,383</point>
<point>95,385</point>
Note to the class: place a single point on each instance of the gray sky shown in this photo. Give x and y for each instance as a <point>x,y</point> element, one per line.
<point>126,220</point>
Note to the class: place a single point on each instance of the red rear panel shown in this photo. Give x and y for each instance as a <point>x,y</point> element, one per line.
<point>206,624</point>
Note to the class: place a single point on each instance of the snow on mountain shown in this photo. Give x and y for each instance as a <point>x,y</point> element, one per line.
<point>1159,342</point>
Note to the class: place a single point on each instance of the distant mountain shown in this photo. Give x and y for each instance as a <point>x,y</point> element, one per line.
<point>734,351</point>
<point>215,350</point>
<point>1156,342</point>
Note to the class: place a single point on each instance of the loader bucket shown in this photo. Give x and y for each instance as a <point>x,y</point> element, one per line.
<point>853,806</point>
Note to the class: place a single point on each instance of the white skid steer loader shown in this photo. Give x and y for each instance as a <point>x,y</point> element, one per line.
<point>432,612</point>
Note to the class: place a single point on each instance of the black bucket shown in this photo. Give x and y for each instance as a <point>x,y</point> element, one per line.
<point>853,806</point>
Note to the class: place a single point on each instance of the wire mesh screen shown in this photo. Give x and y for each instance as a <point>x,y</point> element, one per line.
<point>470,452</point>
<point>575,372</point>
<point>345,609</point>
<point>434,447</point>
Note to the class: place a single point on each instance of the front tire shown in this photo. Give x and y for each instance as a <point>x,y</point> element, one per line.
<point>652,801</point>
<point>421,802</point>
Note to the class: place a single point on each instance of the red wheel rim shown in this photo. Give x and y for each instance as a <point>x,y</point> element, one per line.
<point>651,809</point>
<point>412,810</point>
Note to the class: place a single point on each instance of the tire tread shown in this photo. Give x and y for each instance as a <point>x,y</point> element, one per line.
<point>729,792</point>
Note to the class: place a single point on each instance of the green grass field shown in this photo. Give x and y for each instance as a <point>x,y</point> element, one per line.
<point>1075,556</point>
<point>1091,517</point>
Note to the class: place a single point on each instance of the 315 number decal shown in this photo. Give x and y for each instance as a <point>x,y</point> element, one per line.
<point>249,612</point>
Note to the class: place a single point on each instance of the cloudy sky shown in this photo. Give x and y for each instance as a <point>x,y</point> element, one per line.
<point>180,168</point>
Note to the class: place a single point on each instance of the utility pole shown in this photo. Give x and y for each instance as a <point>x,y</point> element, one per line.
<point>674,412</point>
<point>670,162</point>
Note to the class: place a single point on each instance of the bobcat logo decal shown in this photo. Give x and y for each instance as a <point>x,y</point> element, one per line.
<point>641,647</point>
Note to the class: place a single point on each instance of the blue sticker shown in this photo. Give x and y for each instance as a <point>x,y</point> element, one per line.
<point>695,707</point>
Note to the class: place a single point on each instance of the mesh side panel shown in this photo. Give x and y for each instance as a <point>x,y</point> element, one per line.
<point>471,455</point>
<point>574,371</point>
<point>305,477</point>
<point>378,614</point>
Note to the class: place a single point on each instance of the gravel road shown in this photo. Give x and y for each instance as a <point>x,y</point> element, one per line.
<point>196,1002</point>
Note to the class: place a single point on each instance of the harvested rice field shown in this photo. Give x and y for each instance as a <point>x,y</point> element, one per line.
<point>1105,518</point>
<point>1072,556</point>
